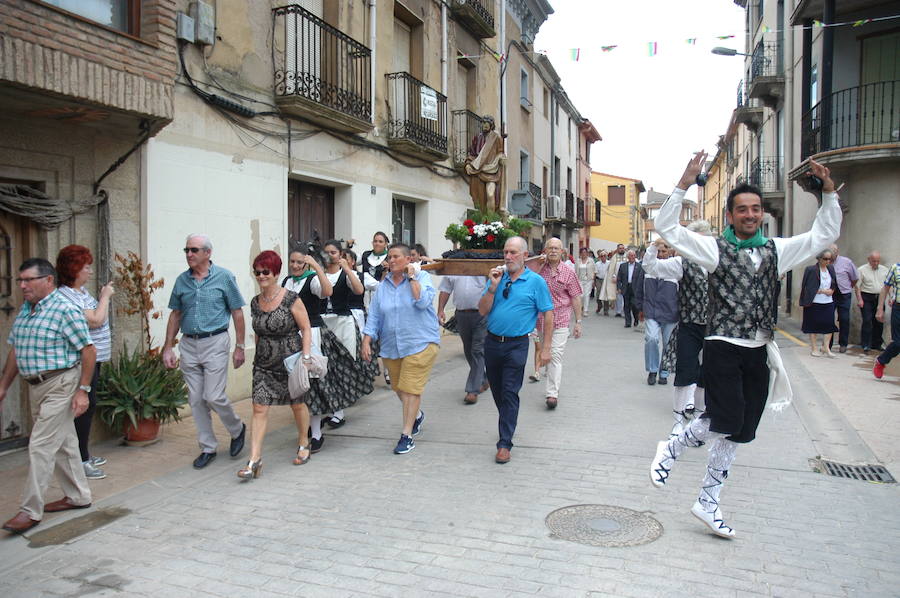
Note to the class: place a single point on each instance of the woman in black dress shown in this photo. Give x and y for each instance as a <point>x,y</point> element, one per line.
<point>281,326</point>
<point>817,299</point>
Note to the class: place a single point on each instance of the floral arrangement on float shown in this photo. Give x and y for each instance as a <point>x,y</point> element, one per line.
<point>484,231</point>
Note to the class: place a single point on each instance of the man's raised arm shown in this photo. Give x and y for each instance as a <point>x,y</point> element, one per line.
<point>699,248</point>
<point>826,228</point>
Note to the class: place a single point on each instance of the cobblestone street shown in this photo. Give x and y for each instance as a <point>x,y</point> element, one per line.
<point>445,520</point>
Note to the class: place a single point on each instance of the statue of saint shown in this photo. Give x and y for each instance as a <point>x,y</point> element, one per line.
<point>484,165</point>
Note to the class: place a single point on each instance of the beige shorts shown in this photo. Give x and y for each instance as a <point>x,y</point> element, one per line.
<point>410,374</point>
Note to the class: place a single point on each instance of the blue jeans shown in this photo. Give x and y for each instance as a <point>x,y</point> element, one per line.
<point>654,334</point>
<point>892,350</point>
<point>505,364</point>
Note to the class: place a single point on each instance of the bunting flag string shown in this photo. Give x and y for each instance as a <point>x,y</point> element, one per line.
<point>575,54</point>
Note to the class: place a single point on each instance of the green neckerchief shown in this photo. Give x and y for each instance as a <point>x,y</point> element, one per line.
<point>306,274</point>
<point>380,254</point>
<point>757,240</point>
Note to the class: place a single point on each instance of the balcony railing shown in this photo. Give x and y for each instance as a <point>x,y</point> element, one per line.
<point>534,193</point>
<point>767,174</point>
<point>417,117</point>
<point>592,211</point>
<point>466,125</point>
<point>863,115</point>
<point>579,213</point>
<point>476,15</point>
<point>741,94</point>
<point>766,60</point>
<point>319,67</point>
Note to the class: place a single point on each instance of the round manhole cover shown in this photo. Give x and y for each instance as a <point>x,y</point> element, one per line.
<point>603,525</point>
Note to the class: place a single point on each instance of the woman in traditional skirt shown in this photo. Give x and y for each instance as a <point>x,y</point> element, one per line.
<point>372,263</point>
<point>339,320</point>
<point>310,282</point>
<point>817,299</point>
<point>282,328</point>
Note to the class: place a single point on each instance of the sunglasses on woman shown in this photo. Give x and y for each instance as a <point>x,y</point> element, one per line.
<point>265,272</point>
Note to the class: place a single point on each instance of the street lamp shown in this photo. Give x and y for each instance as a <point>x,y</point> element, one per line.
<point>722,51</point>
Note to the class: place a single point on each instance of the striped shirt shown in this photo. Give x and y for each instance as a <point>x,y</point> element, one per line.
<point>51,338</point>
<point>893,281</point>
<point>101,335</point>
<point>205,304</point>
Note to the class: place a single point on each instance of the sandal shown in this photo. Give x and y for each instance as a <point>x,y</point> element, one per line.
<point>298,460</point>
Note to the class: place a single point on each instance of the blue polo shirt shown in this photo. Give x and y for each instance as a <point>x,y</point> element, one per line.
<point>205,304</point>
<point>515,315</point>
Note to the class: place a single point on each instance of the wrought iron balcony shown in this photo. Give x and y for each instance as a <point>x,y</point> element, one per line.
<point>417,117</point>
<point>767,174</point>
<point>854,117</point>
<point>466,125</point>
<point>766,81</point>
<point>571,217</point>
<point>476,15</point>
<point>593,210</point>
<point>747,112</point>
<point>534,210</point>
<point>321,74</point>
<point>579,214</point>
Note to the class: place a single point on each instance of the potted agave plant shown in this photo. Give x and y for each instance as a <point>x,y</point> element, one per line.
<point>136,393</point>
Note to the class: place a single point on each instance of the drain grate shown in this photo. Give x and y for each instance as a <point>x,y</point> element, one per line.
<point>603,525</point>
<point>867,473</point>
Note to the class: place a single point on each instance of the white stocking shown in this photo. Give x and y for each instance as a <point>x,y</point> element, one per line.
<point>721,456</point>
<point>315,426</point>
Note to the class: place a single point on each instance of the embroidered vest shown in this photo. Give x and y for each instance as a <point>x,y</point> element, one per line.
<point>693,294</point>
<point>742,299</point>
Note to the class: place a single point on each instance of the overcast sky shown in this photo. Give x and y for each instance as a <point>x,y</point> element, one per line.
<point>652,112</point>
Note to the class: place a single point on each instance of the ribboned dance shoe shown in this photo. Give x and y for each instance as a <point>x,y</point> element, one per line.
<point>404,445</point>
<point>712,520</point>
<point>661,464</point>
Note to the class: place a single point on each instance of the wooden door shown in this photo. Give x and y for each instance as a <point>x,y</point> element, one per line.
<point>310,212</point>
<point>15,417</point>
<point>879,101</point>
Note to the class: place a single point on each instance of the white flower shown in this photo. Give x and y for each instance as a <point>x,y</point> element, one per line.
<point>468,237</point>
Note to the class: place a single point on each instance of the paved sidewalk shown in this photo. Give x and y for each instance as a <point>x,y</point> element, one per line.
<point>445,520</point>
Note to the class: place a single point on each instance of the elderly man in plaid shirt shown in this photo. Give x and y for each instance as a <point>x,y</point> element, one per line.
<point>565,290</point>
<point>48,340</point>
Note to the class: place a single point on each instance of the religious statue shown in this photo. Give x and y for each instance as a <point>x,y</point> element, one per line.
<point>485,162</point>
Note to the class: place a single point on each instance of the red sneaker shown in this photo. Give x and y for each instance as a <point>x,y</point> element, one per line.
<point>878,370</point>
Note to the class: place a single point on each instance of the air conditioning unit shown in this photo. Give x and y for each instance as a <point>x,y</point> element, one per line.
<point>552,210</point>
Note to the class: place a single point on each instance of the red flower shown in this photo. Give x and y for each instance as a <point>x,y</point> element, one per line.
<point>469,223</point>
<point>490,238</point>
<point>471,231</point>
<point>486,222</point>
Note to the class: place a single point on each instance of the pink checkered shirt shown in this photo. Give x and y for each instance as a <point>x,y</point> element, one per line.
<point>564,287</point>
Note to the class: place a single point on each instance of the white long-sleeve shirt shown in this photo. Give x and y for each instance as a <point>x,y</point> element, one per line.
<point>791,251</point>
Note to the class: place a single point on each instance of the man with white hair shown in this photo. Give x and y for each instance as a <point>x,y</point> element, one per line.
<point>566,293</point>
<point>693,300</point>
<point>512,302</point>
<point>872,275</point>
<point>204,298</point>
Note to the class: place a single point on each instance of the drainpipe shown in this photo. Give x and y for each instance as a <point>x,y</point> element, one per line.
<point>503,70</point>
<point>827,67</point>
<point>554,183</point>
<point>373,15</point>
<point>444,48</point>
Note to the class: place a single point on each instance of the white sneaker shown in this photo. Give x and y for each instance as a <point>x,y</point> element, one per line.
<point>712,520</point>
<point>91,472</point>
<point>661,465</point>
<point>97,461</point>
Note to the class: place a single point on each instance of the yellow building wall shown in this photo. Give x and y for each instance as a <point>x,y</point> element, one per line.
<point>618,224</point>
<point>713,194</point>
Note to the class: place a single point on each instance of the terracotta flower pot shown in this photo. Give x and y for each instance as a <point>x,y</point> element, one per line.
<point>146,432</point>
